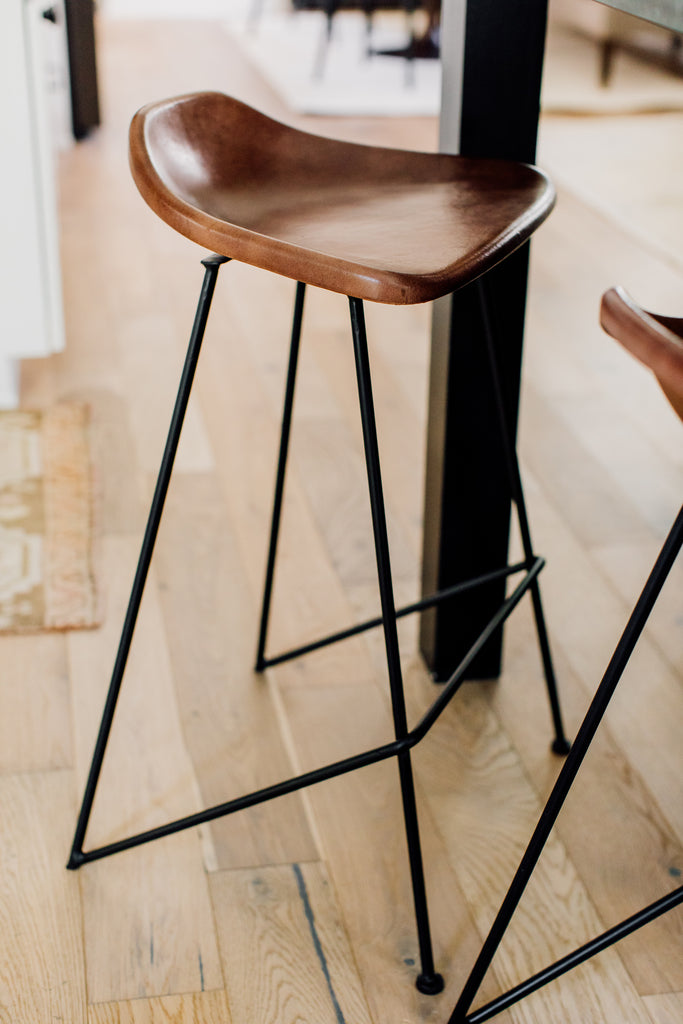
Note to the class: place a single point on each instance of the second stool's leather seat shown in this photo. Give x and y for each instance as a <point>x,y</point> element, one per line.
<point>387,225</point>
<point>657,341</point>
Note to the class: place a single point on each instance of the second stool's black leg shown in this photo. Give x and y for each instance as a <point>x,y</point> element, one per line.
<point>212,265</point>
<point>570,768</point>
<point>369,6</point>
<point>280,475</point>
<point>429,981</point>
<point>330,9</point>
<point>560,743</point>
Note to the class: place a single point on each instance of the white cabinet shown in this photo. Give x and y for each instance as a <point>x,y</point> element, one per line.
<point>31,319</point>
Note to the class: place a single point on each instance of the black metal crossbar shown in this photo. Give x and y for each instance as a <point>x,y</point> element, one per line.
<point>589,727</point>
<point>577,956</point>
<point>331,771</point>
<point>417,606</point>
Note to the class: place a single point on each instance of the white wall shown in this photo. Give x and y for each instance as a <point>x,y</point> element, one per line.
<point>221,9</point>
<point>453,14</point>
<point>30,280</point>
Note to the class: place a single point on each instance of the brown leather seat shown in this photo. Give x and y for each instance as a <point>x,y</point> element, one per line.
<point>388,225</point>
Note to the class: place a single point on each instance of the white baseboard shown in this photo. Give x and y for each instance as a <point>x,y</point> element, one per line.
<point>9,383</point>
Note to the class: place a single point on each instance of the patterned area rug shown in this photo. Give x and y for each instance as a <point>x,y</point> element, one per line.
<point>47,578</point>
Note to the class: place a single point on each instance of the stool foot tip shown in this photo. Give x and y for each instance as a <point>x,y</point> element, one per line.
<point>560,746</point>
<point>430,984</point>
<point>76,858</point>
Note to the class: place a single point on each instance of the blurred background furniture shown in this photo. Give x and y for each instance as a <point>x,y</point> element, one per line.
<point>615,30</point>
<point>419,43</point>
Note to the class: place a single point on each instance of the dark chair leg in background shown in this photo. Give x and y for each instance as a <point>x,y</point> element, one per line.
<point>280,475</point>
<point>429,981</point>
<point>330,9</point>
<point>596,711</point>
<point>212,265</point>
<point>560,743</point>
<point>607,50</point>
<point>254,15</point>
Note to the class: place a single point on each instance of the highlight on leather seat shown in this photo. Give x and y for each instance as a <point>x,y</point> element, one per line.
<point>389,225</point>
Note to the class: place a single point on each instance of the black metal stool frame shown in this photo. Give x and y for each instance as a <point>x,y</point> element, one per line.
<point>551,811</point>
<point>428,981</point>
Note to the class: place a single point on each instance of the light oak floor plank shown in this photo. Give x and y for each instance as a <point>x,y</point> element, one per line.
<point>152,346</point>
<point>229,723</point>
<point>665,1009</point>
<point>576,597</point>
<point>627,567</point>
<point>360,819</point>
<point>292,961</point>
<point>618,837</point>
<point>35,724</point>
<point>160,936</point>
<point>42,973</point>
<point>308,597</point>
<point>482,776</point>
<point>198,1008</point>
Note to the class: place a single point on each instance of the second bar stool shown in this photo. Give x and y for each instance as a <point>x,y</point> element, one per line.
<point>378,224</point>
<point>657,342</point>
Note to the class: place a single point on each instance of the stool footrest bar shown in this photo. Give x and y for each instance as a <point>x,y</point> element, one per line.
<point>362,760</point>
<point>249,800</point>
<point>409,609</point>
<point>578,956</point>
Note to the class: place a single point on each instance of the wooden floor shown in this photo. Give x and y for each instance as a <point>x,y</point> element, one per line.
<point>299,911</point>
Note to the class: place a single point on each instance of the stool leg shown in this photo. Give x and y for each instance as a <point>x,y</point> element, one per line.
<point>212,265</point>
<point>570,768</point>
<point>428,981</point>
<point>280,475</point>
<point>560,743</point>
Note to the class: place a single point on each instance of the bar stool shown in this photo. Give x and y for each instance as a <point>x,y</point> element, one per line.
<point>378,224</point>
<point>657,341</point>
